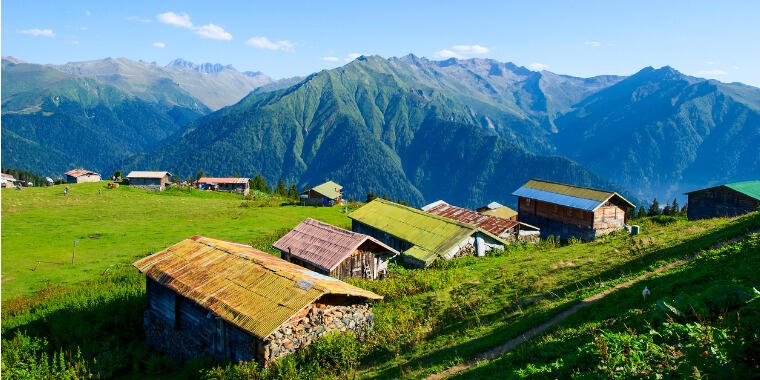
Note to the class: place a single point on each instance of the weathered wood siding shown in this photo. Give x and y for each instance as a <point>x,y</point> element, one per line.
<point>719,202</point>
<point>83,178</point>
<point>156,184</point>
<point>567,222</point>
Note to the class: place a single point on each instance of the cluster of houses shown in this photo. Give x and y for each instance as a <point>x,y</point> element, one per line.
<point>231,301</point>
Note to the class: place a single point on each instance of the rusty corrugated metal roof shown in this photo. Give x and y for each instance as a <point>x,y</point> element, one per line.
<point>495,225</point>
<point>246,287</point>
<point>222,180</point>
<point>79,172</point>
<point>322,244</point>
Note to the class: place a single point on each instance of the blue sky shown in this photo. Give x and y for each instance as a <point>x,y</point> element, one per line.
<point>281,39</point>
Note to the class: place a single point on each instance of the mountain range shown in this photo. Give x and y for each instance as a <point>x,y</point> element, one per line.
<point>468,131</point>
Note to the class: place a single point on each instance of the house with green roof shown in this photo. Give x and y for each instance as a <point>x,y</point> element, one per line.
<point>421,237</point>
<point>326,194</point>
<point>727,200</point>
<point>568,211</point>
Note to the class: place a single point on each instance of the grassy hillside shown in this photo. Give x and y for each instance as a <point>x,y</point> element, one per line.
<point>118,226</point>
<point>429,320</point>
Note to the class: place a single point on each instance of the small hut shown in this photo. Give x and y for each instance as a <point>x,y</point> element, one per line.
<point>731,199</point>
<point>81,175</point>
<point>326,194</point>
<point>230,185</point>
<point>149,180</point>
<point>334,251</point>
<point>210,297</point>
<point>421,237</point>
<point>568,211</point>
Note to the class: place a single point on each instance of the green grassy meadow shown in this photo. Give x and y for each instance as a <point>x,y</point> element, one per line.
<point>429,320</point>
<point>119,226</point>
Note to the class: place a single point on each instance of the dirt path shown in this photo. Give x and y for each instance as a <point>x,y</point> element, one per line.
<point>527,335</point>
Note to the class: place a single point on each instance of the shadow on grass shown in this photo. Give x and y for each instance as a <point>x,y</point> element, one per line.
<point>444,357</point>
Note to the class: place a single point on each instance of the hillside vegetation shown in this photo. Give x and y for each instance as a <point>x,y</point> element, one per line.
<point>429,320</point>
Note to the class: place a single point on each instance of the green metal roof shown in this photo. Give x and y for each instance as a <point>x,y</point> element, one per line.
<point>748,188</point>
<point>329,189</point>
<point>430,234</point>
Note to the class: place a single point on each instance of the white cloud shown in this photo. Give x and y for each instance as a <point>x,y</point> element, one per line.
<point>88,13</point>
<point>712,73</point>
<point>446,53</point>
<point>538,66</point>
<point>38,32</point>
<point>462,51</point>
<point>331,59</point>
<point>214,32</point>
<point>265,43</point>
<point>159,44</point>
<point>182,20</point>
<point>471,49</point>
<point>593,43</point>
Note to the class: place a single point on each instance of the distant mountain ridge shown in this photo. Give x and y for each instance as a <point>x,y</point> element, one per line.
<point>417,129</point>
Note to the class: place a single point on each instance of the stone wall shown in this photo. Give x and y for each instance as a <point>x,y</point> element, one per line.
<point>315,321</point>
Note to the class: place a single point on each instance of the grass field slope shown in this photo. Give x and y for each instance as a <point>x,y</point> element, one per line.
<point>40,225</point>
<point>428,321</point>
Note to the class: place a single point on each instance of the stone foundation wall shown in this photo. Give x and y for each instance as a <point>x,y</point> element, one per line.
<point>315,321</point>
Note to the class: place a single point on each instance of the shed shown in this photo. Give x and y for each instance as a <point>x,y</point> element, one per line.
<point>421,237</point>
<point>227,300</point>
<point>7,180</point>
<point>508,230</point>
<point>230,185</point>
<point>81,175</point>
<point>326,194</point>
<point>334,251</point>
<point>49,181</point>
<point>567,211</point>
<point>499,210</point>
<point>149,180</point>
<point>731,199</point>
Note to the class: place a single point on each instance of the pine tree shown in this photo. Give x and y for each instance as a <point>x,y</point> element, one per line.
<point>666,210</point>
<point>259,183</point>
<point>371,196</point>
<point>642,212</point>
<point>674,209</point>
<point>281,189</point>
<point>200,175</point>
<point>117,174</point>
<point>293,192</point>
<point>654,209</point>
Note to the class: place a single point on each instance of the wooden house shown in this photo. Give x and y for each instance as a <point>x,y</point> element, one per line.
<point>149,180</point>
<point>326,194</point>
<point>80,175</point>
<point>508,230</point>
<point>230,185</point>
<point>498,210</point>
<point>209,297</point>
<point>421,237</point>
<point>334,251</point>
<point>567,211</point>
<point>731,199</point>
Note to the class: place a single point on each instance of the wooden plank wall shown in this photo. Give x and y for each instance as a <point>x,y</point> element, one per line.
<point>719,202</point>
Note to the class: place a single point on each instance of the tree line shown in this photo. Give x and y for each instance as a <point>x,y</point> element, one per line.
<point>669,209</point>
